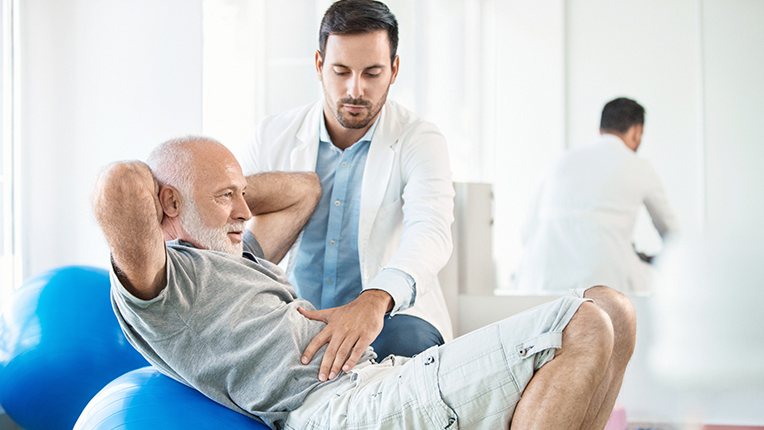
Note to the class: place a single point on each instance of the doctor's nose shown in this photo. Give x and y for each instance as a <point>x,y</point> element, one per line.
<point>355,87</point>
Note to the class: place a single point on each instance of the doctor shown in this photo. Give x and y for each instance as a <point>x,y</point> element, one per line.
<point>369,256</point>
<point>580,225</point>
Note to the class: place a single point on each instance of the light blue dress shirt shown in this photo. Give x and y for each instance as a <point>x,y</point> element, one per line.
<point>327,269</point>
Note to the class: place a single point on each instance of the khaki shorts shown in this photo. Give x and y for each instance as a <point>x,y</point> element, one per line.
<point>473,382</point>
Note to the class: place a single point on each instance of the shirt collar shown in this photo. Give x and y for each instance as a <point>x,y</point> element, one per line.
<point>612,138</point>
<point>323,134</point>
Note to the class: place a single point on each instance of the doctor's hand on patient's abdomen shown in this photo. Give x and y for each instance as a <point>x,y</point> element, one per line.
<point>350,329</point>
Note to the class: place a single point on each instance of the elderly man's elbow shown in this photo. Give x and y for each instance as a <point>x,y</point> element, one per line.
<point>117,185</point>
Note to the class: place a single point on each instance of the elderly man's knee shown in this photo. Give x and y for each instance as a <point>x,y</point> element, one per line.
<point>590,332</point>
<point>621,311</point>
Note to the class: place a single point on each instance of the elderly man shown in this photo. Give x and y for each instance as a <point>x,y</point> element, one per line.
<point>196,296</point>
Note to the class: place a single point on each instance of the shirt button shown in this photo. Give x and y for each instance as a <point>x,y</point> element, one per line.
<point>344,164</point>
<point>329,281</point>
<point>331,243</point>
<point>336,203</point>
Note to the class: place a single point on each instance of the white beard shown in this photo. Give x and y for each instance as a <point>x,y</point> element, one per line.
<point>215,239</point>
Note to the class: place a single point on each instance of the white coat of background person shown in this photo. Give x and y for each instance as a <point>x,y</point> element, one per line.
<point>580,225</point>
<point>382,230</point>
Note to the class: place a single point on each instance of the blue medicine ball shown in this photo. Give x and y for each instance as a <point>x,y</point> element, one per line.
<point>60,343</point>
<point>144,399</point>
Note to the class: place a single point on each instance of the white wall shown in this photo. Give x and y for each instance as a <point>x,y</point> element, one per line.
<point>733,87</point>
<point>101,81</point>
<point>530,116</point>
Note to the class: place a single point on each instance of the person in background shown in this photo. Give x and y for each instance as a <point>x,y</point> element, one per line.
<point>370,254</point>
<point>579,228</point>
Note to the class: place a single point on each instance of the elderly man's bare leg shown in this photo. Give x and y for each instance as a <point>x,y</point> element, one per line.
<point>563,391</point>
<point>621,312</point>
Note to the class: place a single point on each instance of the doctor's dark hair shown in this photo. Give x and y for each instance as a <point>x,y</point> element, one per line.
<point>346,17</point>
<point>620,114</point>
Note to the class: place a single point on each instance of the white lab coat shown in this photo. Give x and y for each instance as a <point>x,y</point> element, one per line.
<point>580,225</point>
<point>406,195</point>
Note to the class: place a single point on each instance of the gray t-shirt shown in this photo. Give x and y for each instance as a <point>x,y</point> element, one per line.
<point>227,326</point>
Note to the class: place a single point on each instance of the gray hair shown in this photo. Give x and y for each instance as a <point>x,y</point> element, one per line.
<point>172,162</point>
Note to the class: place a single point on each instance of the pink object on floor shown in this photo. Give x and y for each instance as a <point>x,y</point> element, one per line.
<point>617,419</point>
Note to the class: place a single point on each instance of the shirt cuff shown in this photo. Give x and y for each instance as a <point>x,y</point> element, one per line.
<point>399,284</point>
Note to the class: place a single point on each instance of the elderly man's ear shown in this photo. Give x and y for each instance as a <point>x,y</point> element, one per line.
<point>171,201</point>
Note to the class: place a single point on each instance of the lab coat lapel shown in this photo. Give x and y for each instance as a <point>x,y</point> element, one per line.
<point>376,174</point>
<point>303,156</point>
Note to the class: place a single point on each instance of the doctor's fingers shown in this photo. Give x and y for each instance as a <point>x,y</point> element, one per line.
<point>336,354</point>
<point>321,339</point>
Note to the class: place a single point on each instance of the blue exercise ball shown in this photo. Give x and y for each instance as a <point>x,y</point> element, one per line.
<point>60,343</point>
<point>145,399</point>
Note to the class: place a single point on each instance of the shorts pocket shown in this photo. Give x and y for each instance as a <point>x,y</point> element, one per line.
<point>440,415</point>
<point>481,390</point>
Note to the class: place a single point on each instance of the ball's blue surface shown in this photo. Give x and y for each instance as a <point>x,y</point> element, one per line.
<point>144,399</point>
<point>60,343</point>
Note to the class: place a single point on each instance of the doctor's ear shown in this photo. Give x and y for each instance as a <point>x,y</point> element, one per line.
<point>171,201</point>
<point>395,66</point>
<point>319,64</point>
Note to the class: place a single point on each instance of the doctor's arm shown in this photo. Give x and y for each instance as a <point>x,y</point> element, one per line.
<point>126,205</point>
<point>428,212</point>
<point>281,204</point>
